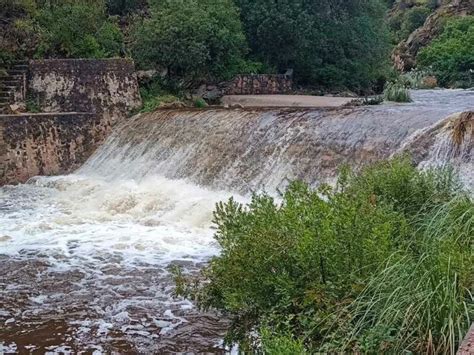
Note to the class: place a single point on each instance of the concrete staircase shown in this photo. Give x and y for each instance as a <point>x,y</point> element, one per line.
<point>13,85</point>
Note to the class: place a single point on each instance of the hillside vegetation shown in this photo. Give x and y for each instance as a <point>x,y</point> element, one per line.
<point>330,45</point>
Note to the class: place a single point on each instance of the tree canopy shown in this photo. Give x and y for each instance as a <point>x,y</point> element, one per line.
<point>451,55</point>
<point>191,38</point>
<point>328,43</point>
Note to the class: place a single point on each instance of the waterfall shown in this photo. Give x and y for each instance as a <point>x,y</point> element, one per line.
<point>85,258</point>
<point>256,149</point>
<point>449,142</point>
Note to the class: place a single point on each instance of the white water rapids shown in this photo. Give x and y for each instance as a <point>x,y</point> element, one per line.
<point>84,258</point>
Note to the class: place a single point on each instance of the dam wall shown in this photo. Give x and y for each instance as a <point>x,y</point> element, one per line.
<point>108,87</point>
<point>47,144</point>
<point>245,150</point>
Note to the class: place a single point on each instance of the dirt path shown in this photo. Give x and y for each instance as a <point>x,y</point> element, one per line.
<point>285,101</point>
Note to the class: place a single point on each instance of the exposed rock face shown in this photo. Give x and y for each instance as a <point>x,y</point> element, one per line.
<point>47,144</point>
<point>108,86</point>
<point>467,346</point>
<point>404,56</point>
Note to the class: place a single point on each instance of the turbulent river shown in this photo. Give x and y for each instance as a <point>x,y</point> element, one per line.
<point>85,258</point>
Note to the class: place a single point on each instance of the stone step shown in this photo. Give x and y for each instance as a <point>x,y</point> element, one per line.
<point>11,78</point>
<point>11,83</point>
<point>9,88</point>
<point>14,72</point>
<point>23,67</point>
<point>5,94</point>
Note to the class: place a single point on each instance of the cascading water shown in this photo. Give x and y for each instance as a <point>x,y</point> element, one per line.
<point>84,259</point>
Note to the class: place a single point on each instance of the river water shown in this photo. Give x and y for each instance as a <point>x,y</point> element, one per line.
<point>85,258</point>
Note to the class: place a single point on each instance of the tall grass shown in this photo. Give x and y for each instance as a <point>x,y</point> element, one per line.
<point>397,92</point>
<point>412,304</point>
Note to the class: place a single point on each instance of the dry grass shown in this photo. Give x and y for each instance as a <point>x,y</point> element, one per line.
<point>463,127</point>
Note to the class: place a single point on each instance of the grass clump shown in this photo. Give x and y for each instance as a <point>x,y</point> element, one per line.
<point>156,93</point>
<point>397,92</point>
<point>200,103</point>
<point>383,262</point>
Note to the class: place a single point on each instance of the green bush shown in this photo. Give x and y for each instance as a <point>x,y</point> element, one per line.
<point>200,103</point>
<point>78,30</point>
<point>396,91</point>
<point>451,55</point>
<point>193,40</point>
<point>337,45</point>
<point>380,263</point>
<point>413,19</point>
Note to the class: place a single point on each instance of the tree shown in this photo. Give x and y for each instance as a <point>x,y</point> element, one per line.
<point>329,43</point>
<point>451,55</point>
<point>124,7</point>
<point>78,29</point>
<point>192,39</point>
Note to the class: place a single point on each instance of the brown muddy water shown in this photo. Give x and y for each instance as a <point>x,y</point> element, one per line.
<point>85,259</point>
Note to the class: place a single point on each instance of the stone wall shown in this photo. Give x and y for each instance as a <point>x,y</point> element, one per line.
<point>105,86</point>
<point>47,144</point>
<point>263,84</point>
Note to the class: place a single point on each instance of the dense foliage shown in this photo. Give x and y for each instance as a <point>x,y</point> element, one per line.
<point>336,44</point>
<point>408,15</point>
<point>16,30</point>
<point>70,29</point>
<point>451,55</point>
<point>191,39</point>
<point>403,23</point>
<point>381,263</point>
<point>331,45</point>
<point>78,30</point>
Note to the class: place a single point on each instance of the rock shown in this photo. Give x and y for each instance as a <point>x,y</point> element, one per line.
<point>174,104</point>
<point>144,75</point>
<point>17,108</point>
<point>5,238</point>
<point>429,82</point>
<point>210,93</point>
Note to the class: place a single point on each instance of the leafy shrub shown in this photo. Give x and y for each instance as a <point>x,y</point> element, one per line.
<point>200,103</point>
<point>78,30</point>
<point>32,105</point>
<point>17,33</point>
<point>380,263</point>
<point>397,92</point>
<point>413,19</point>
<point>451,55</point>
<point>192,39</point>
<point>419,79</point>
<point>274,344</point>
<point>342,44</point>
<point>151,104</point>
